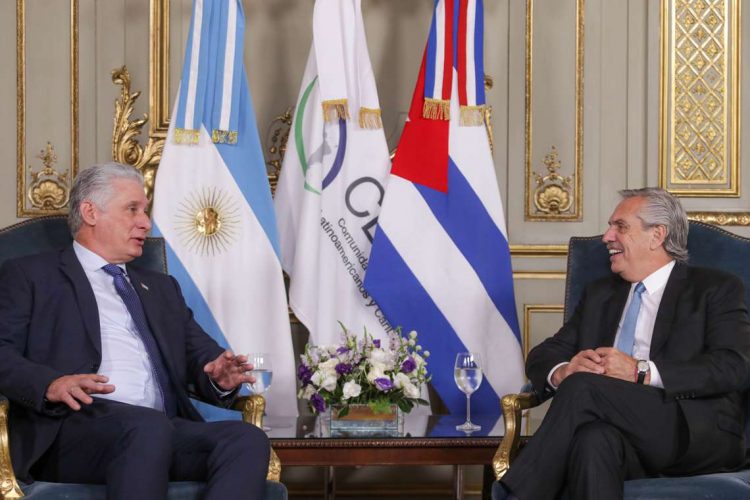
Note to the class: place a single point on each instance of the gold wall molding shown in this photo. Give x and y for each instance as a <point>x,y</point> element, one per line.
<point>25,206</point>
<point>557,197</point>
<point>125,146</point>
<point>700,97</point>
<point>539,250</point>
<point>722,218</point>
<point>539,275</point>
<point>159,68</point>
<point>528,311</point>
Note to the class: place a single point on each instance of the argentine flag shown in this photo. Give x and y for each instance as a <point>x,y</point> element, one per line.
<point>440,262</point>
<point>212,204</point>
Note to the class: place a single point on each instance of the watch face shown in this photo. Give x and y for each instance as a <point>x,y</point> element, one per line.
<point>642,365</point>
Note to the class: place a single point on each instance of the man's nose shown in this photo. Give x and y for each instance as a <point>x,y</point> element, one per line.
<point>145,221</point>
<point>607,236</point>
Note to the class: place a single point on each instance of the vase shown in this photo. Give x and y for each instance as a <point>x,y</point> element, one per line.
<point>362,421</point>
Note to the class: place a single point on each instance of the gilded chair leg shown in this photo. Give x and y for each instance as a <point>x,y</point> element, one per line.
<point>9,488</point>
<point>274,467</point>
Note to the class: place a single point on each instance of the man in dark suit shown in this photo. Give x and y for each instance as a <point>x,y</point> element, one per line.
<point>97,358</point>
<point>647,373</point>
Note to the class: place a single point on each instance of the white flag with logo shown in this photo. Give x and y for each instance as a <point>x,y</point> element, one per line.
<point>333,179</point>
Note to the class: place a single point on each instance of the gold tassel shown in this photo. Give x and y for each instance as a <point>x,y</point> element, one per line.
<point>224,136</point>
<point>436,109</point>
<point>335,110</point>
<point>186,136</point>
<point>472,116</point>
<point>370,118</point>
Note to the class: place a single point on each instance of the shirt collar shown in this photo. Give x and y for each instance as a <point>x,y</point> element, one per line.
<point>658,279</point>
<point>90,261</point>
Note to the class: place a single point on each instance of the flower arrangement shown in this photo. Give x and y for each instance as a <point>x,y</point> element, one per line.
<point>363,371</point>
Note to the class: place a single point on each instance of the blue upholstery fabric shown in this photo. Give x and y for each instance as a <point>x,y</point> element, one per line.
<point>708,246</point>
<point>45,234</point>
<point>184,490</point>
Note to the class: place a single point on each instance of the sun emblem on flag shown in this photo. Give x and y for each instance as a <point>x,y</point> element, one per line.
<point>208,221</point>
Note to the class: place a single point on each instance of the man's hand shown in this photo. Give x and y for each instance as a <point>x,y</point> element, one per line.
<point>75,389</point>
<point>617,364</point>
<point>584,361</point>
<point>229,371</point>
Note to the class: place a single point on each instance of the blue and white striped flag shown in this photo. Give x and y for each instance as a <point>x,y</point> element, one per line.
<point>440,261</point>
<point>212,204</point>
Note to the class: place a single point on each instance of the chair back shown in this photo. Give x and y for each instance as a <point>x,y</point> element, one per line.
<point>708,246</point>
<point>43,234</point>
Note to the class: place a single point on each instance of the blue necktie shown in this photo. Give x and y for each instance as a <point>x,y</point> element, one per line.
<point>626,342</point>
<point>135,308</point>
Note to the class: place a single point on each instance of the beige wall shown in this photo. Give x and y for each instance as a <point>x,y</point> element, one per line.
<point>620,106</point>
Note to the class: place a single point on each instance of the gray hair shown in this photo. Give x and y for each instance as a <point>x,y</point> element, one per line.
<point>95,185</point>
<point>663,209</point>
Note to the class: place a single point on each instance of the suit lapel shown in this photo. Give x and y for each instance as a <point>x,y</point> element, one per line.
<point>71,267</point>
<point>615,304</point>
<point>667,308</point>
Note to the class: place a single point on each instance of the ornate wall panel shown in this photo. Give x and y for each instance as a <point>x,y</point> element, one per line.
<point>553,180</point>
<point>700,97</point>
<point>43,103</point>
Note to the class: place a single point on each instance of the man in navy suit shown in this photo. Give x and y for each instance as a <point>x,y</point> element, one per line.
<point>648,371</point>
<point>98,357</point>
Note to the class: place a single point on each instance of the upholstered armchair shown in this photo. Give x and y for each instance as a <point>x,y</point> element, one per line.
<point>50,233</point>
<point>588,260</point>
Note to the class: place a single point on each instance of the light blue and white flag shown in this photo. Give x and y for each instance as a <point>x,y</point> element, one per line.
<point>333,179</point>
<point>212,204</point>
<point>440,262</point>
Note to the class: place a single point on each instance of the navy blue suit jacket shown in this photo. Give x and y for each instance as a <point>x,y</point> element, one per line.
<point>49,327</point>
<point>700,344</point>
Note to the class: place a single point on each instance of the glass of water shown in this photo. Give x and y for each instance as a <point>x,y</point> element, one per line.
<point>468,376</point>
<point>263,373</point>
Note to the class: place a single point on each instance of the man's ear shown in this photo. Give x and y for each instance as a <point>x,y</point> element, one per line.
<point>88,213</point>
<point>658,236</point>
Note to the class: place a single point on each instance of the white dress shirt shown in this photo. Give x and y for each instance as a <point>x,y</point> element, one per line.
<point>124,357</point>
<point>644,327</point>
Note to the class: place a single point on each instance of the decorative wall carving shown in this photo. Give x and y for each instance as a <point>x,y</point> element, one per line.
<point>700,97</point>
<point>555,197</point>
<point>44,192</point>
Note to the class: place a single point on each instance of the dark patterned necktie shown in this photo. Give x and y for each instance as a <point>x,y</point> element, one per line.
<point>135,308</point>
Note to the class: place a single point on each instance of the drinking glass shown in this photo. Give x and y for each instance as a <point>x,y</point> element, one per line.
<point>263,373</point>
<point>468,376</point>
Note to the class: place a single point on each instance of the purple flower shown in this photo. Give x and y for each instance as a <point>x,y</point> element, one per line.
<point>384,384</point>
<point>376,343</point>
<point>342,350</point>
<point>304,373</point>
<point>343,368</point>
<point>318,403</point>
<point>408,365</point>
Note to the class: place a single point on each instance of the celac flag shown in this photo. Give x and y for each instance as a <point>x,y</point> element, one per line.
<point>212,204</point>
<point>333,179</point>
<point>440,262</point>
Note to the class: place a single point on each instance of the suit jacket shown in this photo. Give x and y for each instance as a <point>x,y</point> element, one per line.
<point>700,344</point>
<point>49,327</point>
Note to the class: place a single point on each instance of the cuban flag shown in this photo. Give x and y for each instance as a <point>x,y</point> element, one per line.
<point>332,181</point>
<point>440,263</point>
<point>212,204</point>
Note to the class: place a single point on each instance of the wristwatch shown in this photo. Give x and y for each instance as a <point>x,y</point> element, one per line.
<point>642,368</point>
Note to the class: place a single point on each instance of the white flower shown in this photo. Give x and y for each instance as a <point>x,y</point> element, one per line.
<point>351,390</point>
<point>380,356</point>
<point>329,382</point>
<point>377,370</point>
<point>411,391</point>
<point>400,380</point>
<point>328,366</point>
<point>413,334</point>
<point>307,392</point>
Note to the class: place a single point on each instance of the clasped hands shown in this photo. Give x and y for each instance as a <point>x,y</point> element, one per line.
<point>607,361</point>
<point>227,372</point>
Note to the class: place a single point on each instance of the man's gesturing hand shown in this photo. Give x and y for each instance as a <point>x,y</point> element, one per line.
<point>618,364</point>
<point>75,389</point>
<point>584,361</point>
<point>229,371</point>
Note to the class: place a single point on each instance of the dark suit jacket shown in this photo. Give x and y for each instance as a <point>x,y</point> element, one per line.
<point>49,327</point>
<point>700,344</point>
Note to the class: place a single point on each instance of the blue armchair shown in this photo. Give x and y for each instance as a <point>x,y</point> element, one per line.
<point>588,260</point>
<point>50,233</point>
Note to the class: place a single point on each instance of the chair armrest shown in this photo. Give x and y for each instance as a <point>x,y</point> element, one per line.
<point>512,406</point>
<point>252,408</point>
<point>9,488</point>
